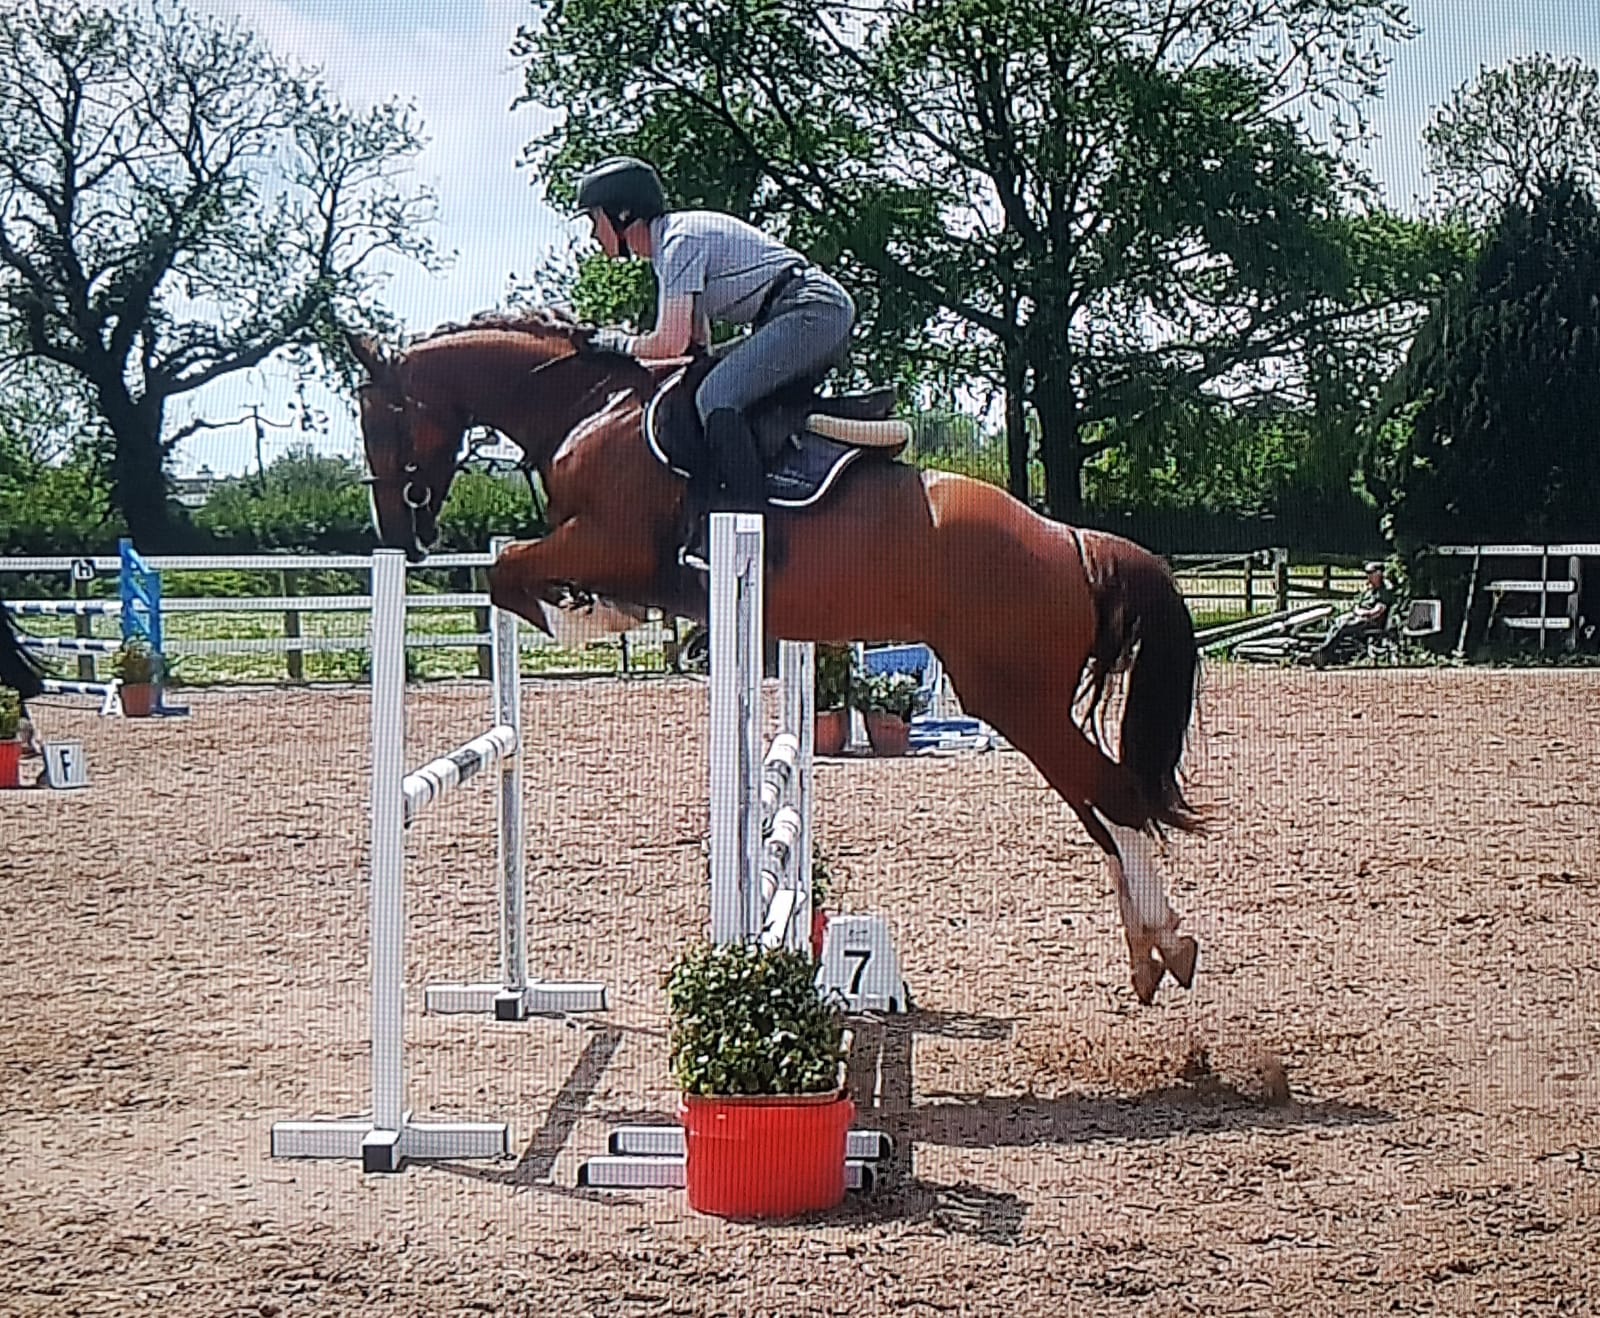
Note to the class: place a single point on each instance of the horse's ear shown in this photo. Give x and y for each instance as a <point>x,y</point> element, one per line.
<point>370,356</point>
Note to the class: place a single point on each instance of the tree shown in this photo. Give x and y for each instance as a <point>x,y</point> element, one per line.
<point>1488,436</point>
<point>1103,209</point>
<point>1500,138</point>
<point>176,204</point>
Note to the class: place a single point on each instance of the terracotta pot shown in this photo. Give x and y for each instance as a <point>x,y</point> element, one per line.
<point>10,763</point>
<point>138,699</point>
<point>831,731</point>
<point>765,1157</point>
<point>889,734</point>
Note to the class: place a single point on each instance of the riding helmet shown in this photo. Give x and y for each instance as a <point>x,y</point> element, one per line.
<point>624,188</point>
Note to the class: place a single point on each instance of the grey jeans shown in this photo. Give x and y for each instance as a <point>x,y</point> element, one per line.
<point>804,335</point>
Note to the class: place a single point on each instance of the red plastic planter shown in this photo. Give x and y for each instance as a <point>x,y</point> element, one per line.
<point>10,762</point>
<point>819,931</point>
<point>889,734</point>
<point>765,1157</point>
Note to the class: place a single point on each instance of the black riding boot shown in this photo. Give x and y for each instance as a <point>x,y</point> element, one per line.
<point>744,477</point>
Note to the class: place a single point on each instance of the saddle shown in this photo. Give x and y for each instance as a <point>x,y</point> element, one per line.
<point>807,439</point>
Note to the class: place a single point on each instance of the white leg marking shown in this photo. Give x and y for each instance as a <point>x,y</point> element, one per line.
<point>1143,889</point>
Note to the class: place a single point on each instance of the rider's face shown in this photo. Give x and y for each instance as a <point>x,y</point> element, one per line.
<point>604,233</point>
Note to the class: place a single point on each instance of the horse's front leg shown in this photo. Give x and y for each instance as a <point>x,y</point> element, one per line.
<point>535,579</point>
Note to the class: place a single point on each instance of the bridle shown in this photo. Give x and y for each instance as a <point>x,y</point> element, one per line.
<point>416,493</point>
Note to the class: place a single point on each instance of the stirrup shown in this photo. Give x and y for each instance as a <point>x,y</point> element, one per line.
<point>695,554</point>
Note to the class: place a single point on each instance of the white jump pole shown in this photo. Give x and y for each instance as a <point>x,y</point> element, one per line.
<point>737,562</point>
<point>390,1138</point>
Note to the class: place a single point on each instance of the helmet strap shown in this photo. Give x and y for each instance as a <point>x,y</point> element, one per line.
<point>619,226</point>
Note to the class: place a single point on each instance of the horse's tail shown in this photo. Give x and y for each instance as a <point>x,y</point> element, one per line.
<point>1143,625</point>
<point>18,669</point>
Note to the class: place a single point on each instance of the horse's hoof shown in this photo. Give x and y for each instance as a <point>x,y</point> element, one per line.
<point>1179,958</point>
<point>1147,979</point>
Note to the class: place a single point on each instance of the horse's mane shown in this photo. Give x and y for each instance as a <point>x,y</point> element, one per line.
<point>539,322</point>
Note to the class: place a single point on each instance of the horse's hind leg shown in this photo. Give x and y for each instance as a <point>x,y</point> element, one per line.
<point>1108,801</point>
<point>1151,925</point>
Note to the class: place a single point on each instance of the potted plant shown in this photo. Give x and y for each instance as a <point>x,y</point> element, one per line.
<point>758,1053</point>
<point>832,719</point>
<point>140,670</point>
<point>10,737</point>
<point>888,702</point>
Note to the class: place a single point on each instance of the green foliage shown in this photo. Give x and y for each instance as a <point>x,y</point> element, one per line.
<point>1503,136</point>
<point>137,664</point>
<point>1202,455</point>
<point>1488,436</point>
<point>900,694</point>
<point>10,713</point>
<point>304,501</point>
<point>834,664</point>
<point>749,1020</point>
<point>1100,211</point>
<point>54,494</point>
<point>937,432</point>
<point>481,506</point>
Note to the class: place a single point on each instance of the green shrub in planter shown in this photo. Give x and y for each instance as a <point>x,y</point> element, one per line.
<point>899,694</point>
<point>10,713</point>
<point>834,671</point>
<point>751,1020</point>
<point>136,664</point>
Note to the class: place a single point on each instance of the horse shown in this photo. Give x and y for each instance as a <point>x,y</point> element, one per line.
<point>1031,618</point>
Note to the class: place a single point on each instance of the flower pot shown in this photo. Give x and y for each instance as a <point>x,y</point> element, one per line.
<point>10,763</point>
<point>832,730</point>
<point>819,931</point>
<point>138,699</point>
<point>765,1157</point>
<point>889,734</point>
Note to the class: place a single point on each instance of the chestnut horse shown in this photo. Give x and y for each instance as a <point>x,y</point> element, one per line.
<point>1027,615</point>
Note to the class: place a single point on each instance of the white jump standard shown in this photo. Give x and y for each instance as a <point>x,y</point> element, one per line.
<point>512,997</point>
<point>761,849</point>
<point>389,1138</point>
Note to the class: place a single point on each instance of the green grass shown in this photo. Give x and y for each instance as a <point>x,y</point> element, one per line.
<point>344,665</point>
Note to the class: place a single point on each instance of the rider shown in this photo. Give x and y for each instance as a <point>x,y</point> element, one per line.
<point>711,267</point>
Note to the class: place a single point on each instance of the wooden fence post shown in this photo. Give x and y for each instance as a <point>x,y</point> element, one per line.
<point>479,580</point>
<point>291,630</point>
<point>82,626</point>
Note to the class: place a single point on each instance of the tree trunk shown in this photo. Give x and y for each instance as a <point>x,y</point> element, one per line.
<point>1016,374</point>
<point>138,481</point>
<point>1060,445</point>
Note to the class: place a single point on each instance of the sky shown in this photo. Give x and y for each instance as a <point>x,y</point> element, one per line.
<point>450,57</point>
